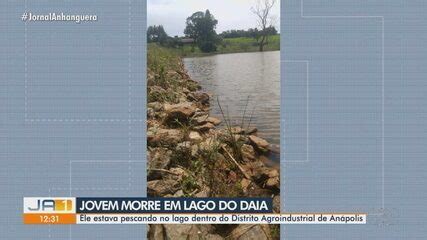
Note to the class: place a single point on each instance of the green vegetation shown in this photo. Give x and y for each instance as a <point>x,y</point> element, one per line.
<point>162,75</point>
<point>228,45</point>
<point>245,44</point>
<point>262,11</point>
<point>157,34</point>
<point>201,27</point>
<point>201,38</point>
<point>161,59</point>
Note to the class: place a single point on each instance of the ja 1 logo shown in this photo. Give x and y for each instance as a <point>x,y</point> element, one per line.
<point>51,205</point>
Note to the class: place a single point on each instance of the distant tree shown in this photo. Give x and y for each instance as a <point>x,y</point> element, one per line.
<point>250,33</point>
<point>201,27</point>
<point>262,11</point>
<point>254,33</point>
<point>157,34</point>
<point>271,31</point>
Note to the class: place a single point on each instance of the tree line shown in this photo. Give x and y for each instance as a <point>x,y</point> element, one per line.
<point>250,33</point>
<point>201,29</point>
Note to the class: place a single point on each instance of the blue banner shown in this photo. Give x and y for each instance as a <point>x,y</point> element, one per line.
<point>174,205</point>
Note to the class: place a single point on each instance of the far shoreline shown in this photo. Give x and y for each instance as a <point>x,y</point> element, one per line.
<point>227,46</point>
<point>225,53</point>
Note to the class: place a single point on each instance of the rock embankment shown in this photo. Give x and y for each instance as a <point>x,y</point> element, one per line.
<point>192,154</point>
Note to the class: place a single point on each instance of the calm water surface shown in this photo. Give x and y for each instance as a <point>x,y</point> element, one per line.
<point>242,79</point>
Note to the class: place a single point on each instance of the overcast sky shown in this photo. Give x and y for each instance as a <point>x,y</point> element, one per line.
<point>231,14</point>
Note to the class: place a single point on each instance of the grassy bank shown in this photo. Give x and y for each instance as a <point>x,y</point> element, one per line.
<point>230,45</point>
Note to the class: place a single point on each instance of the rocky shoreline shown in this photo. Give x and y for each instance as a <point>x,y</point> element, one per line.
<point>192,154</point>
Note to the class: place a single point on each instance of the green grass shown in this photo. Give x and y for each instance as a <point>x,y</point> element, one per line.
<point>231,45</point>
<point>164,66</point>
<point>160,59</point>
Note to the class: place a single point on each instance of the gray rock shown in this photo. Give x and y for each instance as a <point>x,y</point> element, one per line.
<point>254,190</point>
<point>200,119</point>
<point>273,173</point>
<point>209,144</point>
<point>205,127</point>
<point>248,153</point>
<point>251,130</point>
<point>185,90</point>
<point>205,192</point>
<point>244,232</point>
<point>156,89</point>
<point>245,183</point>
<point>150,77</point>
<point>156,93</point>
<point>276,204</point>
<point>187,147</point>
<point>259,143</point>
<point>189,232</point>
<point>273,182</point>
<point>237,130</point>
<point>156,106</point>
<point>158,158</point>
<point>176,174</point>
<point>155,232</point>
<point>179,193</point>
<point>199,96</point>
<point>213,120</point>
<point>159,188</point>
<point>151,113</point>
<point>213,237</point>
<point>173,74</point>
<point>194,136</point>
<point>257,170</point>
<point>275,148</point>
<point>164,137</point>
<point>206,119</point>
<point>180,112</point>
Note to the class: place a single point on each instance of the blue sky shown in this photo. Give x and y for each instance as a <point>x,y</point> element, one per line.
<point>231,14</point>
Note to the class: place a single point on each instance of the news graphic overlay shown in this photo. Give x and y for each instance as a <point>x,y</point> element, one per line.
<point>49,210</point>
<point>171,211</point>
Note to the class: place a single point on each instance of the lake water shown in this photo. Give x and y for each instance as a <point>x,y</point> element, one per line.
<point>239,80</point>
